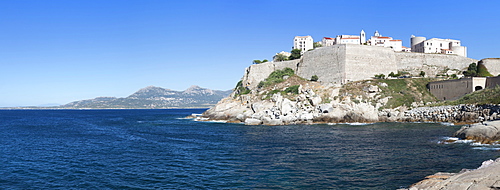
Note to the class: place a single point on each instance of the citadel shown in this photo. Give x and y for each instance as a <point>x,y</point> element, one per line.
<point>418,44</point>
<point>348,58</point>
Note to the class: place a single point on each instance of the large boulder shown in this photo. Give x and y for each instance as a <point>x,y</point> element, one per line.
<point>485,177</point>
<point>251,121</point>
<point>486,132</point>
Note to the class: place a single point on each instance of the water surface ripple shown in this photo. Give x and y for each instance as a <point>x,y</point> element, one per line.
<point>154,149</point>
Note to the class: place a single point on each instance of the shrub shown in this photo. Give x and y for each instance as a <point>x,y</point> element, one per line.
<point>314,78</point>
<point>422,74</point>
<point>276,77</point>
<point>293,89</point>
<point>380,76</point>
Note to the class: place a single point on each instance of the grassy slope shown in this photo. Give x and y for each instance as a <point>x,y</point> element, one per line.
<point>403,91</point>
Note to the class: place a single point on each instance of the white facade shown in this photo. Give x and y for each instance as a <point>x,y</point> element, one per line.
<point>327,41</point>
<point>304,43</point>
<point>405,49</point>
<point>348,39</point>
<point>384,41</point>
<point>437,45</point>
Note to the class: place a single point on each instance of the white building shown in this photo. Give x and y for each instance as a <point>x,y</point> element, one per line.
<point>327,41</point>
<point>437,45</point>
<point>405,49</point>
<point>347,39</point>
<point>384,41</point>
<point>304,43</point>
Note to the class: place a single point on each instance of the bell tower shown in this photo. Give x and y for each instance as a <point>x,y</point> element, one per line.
<point>362,37</point>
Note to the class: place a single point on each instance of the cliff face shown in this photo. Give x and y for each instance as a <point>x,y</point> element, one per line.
<point>331,98</point>
<point>362,101</point>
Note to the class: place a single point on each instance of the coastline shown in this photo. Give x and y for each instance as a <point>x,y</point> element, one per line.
<point>487,176</point>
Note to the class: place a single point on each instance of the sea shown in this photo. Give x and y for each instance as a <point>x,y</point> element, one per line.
<point>160,149</point>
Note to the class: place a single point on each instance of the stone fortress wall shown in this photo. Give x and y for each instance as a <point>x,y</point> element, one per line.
<point>342,63</point>
<point>493,65</point>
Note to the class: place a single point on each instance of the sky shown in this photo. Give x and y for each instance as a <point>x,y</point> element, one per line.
<point>59,51</point>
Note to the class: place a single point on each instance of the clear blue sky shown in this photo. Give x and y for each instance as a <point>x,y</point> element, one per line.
<point>58,51</point>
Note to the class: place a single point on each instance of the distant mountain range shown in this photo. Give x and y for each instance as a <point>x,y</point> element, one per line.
<point>153,97</point>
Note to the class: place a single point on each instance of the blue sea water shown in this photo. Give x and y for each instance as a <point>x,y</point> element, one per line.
<point>157,149</point>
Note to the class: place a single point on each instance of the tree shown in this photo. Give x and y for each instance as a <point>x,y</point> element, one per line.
<point>296,54</point>
<point>259,61</point>
<point>422,74</point>
<point>280,57</point>
<point>392,74</point>
<point>471,71</point>
<point>317,44</point>
<point>314,78</point>
<point>380,76</point>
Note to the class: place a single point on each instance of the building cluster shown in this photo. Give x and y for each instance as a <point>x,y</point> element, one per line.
<point>418,44</point>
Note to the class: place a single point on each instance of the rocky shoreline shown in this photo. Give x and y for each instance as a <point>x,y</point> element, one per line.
<point>485,177</point>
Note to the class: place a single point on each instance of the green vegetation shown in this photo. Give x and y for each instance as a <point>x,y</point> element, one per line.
<point>482,71</point>
<point>314,78</point>
<point>240,90</point>
<point>393,75</point>
<point>276,77</point>
<point>292,89</point>
<point>402,92</point>
<point>380,76</point>
<point>317,44</point>
<point>296,54</point>
<point>280,57</point>
<point>406,91</point>
<point>478,70</point>
<point>471,71</point>
<point>422,74</point>
<point>259,61</point>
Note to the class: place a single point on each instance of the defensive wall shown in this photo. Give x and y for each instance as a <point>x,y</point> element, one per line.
<point>343,63</point>
<point>431,64</point>
<point>454,89</point>
<point>492,64</point>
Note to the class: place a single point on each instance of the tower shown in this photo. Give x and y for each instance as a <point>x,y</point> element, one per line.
<point>362,37</point>
<point>376,34</point>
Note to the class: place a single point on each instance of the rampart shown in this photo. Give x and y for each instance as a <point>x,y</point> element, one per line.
<point>431,64</point>
<point>493,65</point>
<point>343,63</point>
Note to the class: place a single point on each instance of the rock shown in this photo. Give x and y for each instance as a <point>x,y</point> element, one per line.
<point>485,177</point>
<point>306,116</point>
<point>288,107</point>
<point>316,100</point>
<point>325,108</point>
<point>486,132</point>
<point>251,121</point>
<point>371,89</point>
<point>273,122</point>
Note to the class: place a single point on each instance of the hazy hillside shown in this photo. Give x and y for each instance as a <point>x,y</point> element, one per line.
<point>153,97</point>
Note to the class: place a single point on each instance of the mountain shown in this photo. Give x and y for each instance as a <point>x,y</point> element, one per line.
<point>153,97</point>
